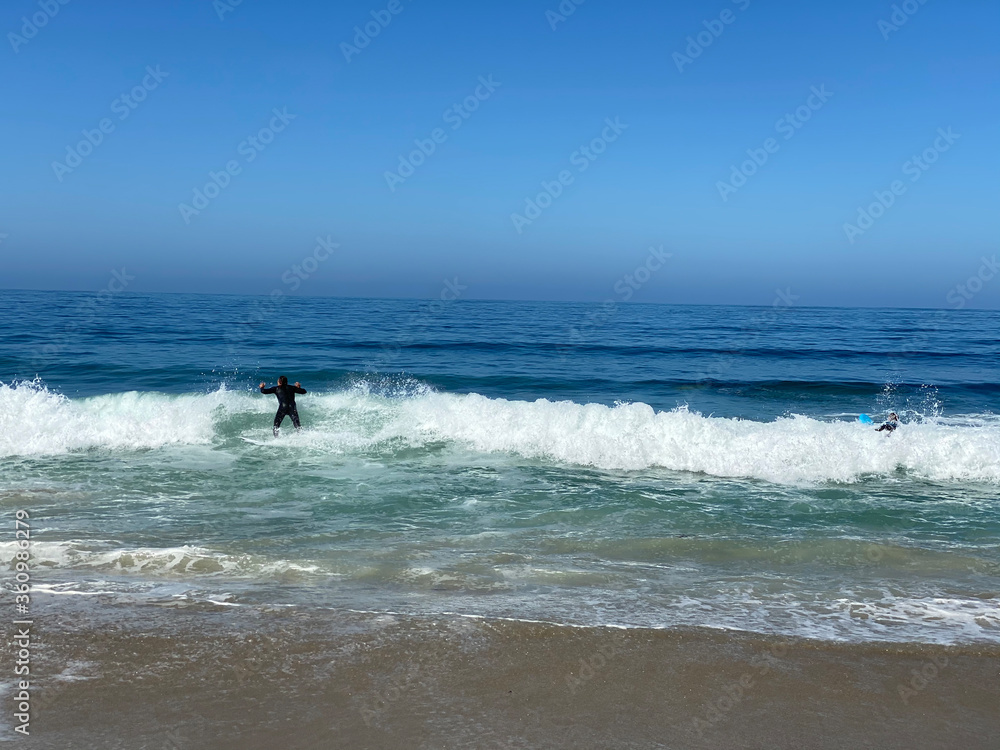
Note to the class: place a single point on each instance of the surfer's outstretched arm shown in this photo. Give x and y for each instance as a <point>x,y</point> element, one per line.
<point>299,389</point>
<point>266,391</point>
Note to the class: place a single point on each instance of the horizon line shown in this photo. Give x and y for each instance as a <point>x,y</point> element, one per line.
<point>507,300</point>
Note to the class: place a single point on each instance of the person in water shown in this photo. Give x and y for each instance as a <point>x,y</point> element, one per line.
<point>891,424</point>
<point>286,401</point>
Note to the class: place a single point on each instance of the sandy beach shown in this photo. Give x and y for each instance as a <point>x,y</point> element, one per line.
<point>245,680</point>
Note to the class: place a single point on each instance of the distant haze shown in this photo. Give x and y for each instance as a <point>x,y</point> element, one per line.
<point>839,153</point>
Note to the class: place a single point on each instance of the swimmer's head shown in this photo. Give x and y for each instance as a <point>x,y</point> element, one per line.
<point>282,380</point>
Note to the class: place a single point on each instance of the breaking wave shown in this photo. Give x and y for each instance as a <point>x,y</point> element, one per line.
<point>35,422</point>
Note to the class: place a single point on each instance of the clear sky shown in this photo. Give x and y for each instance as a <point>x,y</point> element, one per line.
<point>693,91</point>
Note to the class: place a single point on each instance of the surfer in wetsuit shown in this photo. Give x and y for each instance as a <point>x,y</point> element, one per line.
<point>890,426</point>
<point>286,401</point>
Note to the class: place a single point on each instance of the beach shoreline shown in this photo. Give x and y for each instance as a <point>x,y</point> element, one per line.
<point>214,677</point>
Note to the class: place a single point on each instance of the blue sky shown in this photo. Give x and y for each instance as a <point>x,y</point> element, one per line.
<point>886,92</point>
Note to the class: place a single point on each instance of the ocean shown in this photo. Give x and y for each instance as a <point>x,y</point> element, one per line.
<point>503,525</point>
<point>637,466</point>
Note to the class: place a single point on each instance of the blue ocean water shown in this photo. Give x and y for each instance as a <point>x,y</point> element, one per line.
<point>636,465</point>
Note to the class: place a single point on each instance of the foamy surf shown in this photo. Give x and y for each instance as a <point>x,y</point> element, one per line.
<point>185,562</point>
<point>35,422</point>
<point>190,576</point>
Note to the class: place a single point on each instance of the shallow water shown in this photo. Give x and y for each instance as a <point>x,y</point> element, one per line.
<point>656,467</point>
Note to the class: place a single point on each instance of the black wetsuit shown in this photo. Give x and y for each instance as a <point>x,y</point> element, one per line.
<point>889,426</point>
<point>286,404</point>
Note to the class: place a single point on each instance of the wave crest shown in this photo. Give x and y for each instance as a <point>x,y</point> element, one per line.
<point>635,437</point>
<point>624,437</point>
<point>37,422</point>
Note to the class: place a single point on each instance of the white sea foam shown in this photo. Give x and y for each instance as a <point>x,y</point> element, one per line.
<point>634,437</point>
<point>35,422</point>
<point>790,450</point>
<point>173,577</point>
<point>184,562</point>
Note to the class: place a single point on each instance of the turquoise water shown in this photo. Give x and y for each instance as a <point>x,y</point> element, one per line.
<point>649,466</point>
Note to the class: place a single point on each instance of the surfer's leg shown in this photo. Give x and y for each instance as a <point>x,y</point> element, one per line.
<point>294,414</point>
<point>278,419</point>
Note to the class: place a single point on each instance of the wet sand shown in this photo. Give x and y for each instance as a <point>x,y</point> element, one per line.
<point>235,679</point>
